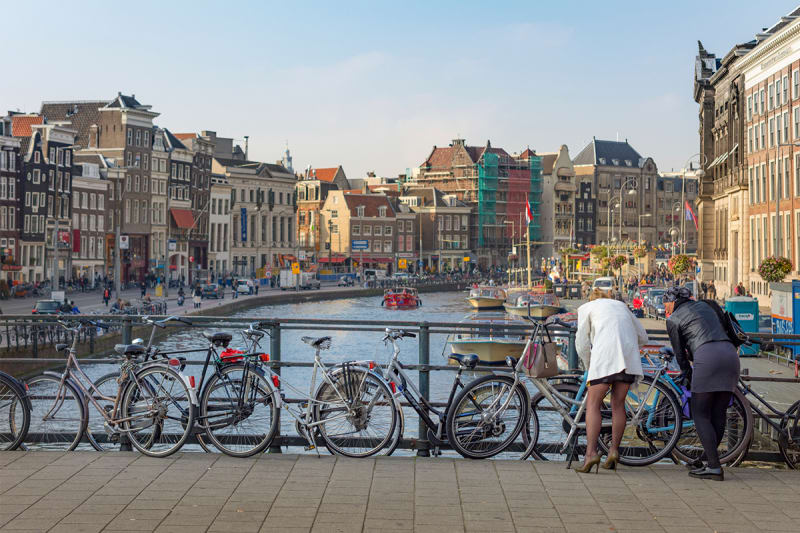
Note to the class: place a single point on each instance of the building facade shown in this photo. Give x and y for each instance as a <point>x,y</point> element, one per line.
<point>89,200</point>
<point>558,204</point>
<point>219,260</point>
<point>10,172</point>
<point>312,191</point>
<point>675,223</point>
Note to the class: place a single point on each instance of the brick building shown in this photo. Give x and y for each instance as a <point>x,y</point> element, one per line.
<point>10,172</point>
<point>312,191</point>
<point>89,200</point>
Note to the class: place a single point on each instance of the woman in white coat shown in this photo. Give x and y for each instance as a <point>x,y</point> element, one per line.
<point>607,341</point>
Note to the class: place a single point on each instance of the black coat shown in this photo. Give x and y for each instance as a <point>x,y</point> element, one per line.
<point>690,326</point>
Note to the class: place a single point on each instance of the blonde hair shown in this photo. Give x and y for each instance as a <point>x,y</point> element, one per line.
<point>599,293</point>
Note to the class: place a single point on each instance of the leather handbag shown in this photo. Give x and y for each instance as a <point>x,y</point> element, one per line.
<point>540,360</point>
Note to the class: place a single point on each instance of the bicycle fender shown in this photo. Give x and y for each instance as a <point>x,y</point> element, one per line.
<point>276,393</point>
<point>19,386</point>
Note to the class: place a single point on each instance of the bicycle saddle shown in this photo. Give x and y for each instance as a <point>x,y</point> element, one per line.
<point>218,339</point>
<point>472,360</point>
<point>323,343</point>
<point>61,347</point>
<point>129,349</point>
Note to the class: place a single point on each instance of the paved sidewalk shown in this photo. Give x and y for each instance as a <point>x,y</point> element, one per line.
<point>191,492</point>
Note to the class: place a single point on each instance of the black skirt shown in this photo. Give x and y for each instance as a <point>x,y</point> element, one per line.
<point>622,377</point>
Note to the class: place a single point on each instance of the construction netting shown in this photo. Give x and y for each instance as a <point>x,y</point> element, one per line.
<point>519,187</point>
<point>535,197</point>
<point>487,198</point>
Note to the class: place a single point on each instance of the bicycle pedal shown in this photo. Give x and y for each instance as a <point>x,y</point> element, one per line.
<point>309,448</point>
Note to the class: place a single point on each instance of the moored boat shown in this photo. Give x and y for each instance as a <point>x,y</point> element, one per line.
<point>486,297</point>
<point>401,298</point>
<point>490,343</point>
<point>533,304</point>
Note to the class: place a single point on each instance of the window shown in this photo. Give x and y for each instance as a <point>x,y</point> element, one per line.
<point>387,230</point>
<point>147,138</point>
<point>750,184</point>
<point>100,202</point>
<point>763,129</point>
<point>36,175</point>
<point>367,230</point>
<point>785,89</point>
<point>138,137</point>
<point>356,229</point>
<point>409,226</point>
<point>797,122</point>
<point>360,211</point>
<point>749,108</point>
<point>795,84</point>
<point>387,246</point>
<point>785,177</point>
<point>130,136</point>
<point>771,132</point>
<point>763,99</point>
<point>378,230</point>
<point>409,243</point>
<point>778,129</point>
<point>382,211</point>
<point>146,161</point>
<point>772,180</point>
<point>777,92</point>
<point>763,196</point>
<point>771,89</point>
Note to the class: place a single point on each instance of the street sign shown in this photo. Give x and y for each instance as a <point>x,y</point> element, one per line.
<point>301,255</point>
<point>124,242</point>
<point>360,245</point>
<point>402,263</point>
<point>295,268</point>
<point>466,259</point>
<point>172,245</point>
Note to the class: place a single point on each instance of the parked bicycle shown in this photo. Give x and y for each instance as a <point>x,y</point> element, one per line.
<point>152,405</point>
<point>479,420</point>
<point>15,412</point>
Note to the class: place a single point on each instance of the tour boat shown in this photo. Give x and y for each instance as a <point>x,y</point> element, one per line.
<point>532,304</point>
<point>401,298</point>
<point>486,297</point>
<point>490,343</point>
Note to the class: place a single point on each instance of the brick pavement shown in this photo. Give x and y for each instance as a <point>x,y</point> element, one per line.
<point>191,492</point>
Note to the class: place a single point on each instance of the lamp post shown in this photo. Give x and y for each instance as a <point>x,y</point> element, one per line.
<point>513,233</point>
<point>330,243</point>
<point>640,242</point>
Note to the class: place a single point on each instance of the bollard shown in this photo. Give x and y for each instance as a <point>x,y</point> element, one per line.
<point>126,330</point>
<point>424,384</point>
<point>275,355</point>
<point>572,353</point>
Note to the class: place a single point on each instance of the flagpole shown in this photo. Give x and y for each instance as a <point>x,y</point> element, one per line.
<point>528,234</point>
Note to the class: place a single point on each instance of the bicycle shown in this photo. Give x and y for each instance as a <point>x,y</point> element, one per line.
<point>654,413</point>
<point>345,410</point>
<point>15,413</point>
<point>143,409</point>
<point>475,419</point>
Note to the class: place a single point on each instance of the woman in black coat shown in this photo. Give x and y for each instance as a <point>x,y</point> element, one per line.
<point>698,335</point>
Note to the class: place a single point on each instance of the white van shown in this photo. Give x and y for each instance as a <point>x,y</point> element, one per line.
<point>605,284</point>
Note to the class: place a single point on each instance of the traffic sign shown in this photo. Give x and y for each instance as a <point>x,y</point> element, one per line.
<point>295,268</point>
<point>360,245</point>
<point>402,263</point>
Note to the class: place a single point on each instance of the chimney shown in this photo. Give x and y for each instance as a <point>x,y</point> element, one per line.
<point>246,147</point>
<point>94,136</point>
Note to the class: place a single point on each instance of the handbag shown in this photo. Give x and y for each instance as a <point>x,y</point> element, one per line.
<point>736,333</point>
<point>539,360</point>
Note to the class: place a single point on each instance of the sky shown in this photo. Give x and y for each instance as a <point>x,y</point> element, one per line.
<point>373,86</point>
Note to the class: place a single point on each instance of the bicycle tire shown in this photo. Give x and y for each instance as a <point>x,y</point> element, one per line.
<point>56,432</point>
<point>689,449</point>
<point>550,422</point>
<point>352,385</point>
<point>789,440</point>
<point>642,451</point>
<point>14,412</point>
<point>466,407</point>
<point>145,394</point>
<point>254,443</point>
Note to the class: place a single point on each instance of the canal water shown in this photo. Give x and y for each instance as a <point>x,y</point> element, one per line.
<point>346,345</point>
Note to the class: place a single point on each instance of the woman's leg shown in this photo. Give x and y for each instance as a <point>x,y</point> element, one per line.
<point>702,413</point>
<point>619,392</point>
<point>719,413</point>
<point>594,400</point>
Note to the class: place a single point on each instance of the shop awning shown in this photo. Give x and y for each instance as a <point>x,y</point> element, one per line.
<point>378,259</point>
<point>334,259</point>
<point>183,218</point>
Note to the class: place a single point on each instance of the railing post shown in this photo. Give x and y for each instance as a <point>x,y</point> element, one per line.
<point>127,329</point>
<point>424,384</point>
<point>275,355</point>
<point>35,340</point>
<point>572,352</point>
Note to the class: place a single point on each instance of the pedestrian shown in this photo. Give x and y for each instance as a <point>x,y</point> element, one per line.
<point>144,288</point>
<point>257,284</point>
<point>711,291</point>
<point>235,286</point>
<point>608,341</point>
<point>198,296</point>
<point>106,296</point>
<point>710,365</point>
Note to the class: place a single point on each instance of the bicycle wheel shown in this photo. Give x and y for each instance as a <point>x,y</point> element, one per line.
<point>356,417</point>
<point>789,440</point>
<point>486,416</point>
<point>736,439</point>
<point>108,387</point>
<point>238,428</point>
<point>657,430</point>
<point>58,414</point>
<point>160,410</point>
<point>15,416</point>
<point>551,427</point>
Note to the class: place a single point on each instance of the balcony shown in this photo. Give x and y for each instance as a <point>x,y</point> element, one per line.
<point>565,186</point>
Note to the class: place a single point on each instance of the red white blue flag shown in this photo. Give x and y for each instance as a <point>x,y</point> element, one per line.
<point>690,215</point>
<point>528,212</point>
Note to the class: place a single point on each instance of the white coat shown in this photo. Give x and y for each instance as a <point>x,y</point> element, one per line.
<point>608,338</point>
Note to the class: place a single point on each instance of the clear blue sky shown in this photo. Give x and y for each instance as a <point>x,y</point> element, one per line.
<point>374,85</point>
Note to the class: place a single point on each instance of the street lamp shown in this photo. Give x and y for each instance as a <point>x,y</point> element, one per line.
<point>330,243</point>
<point>513,232</point>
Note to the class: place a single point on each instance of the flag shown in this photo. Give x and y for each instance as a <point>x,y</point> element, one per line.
<point>690,215</point>
<point>528,212</point>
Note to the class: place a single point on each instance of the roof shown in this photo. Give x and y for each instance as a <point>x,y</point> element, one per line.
<point>394,187</point>
<point>183,218</point>
<point>548,160</point>
<point>236,162</point>
<point>430,197</point>
<point>371,203</point>
<point>185,136</point>
<point>81,114</point>
<point>609,153</point>
<point>443,157</point>
<point>124,102</point>
<point>527,153</point>
<point>323,174</point>
<point>173,143</point>
<point>272,167</point>
<point>21,124</point>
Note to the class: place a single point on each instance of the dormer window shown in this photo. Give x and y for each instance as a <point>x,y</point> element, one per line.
<point>360,211</point>
<point>602,160</point>
<point>615,161</point>
<point>628,162</point>
<point>382,211</point>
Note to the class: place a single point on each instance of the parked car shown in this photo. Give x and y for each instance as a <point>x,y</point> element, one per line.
<point>47,307</point>
<point>245,286</point>
<point>213,290</point>
<point>765,326</point>
<point>607,284</point>
<point>345,281</point>
<point>653,292</point>
<point>654,307</point>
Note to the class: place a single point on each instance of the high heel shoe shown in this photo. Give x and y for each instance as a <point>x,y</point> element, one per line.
<point>587,466</point>
<point>611,461</point>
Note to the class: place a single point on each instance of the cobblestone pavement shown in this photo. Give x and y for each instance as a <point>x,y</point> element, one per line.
<point>89,492</point>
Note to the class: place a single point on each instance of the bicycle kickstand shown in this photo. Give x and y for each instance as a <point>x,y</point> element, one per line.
<point>573,447</point>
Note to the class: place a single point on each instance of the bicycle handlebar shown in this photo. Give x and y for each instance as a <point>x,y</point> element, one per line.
<point>563,324</point>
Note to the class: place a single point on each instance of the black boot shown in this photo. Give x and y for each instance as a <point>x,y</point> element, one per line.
<point>705,472</point>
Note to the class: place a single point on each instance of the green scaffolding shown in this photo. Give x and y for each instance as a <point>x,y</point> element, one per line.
<point>535,197</point>
<point>487,195</point>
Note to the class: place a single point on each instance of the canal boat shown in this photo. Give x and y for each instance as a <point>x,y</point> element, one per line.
<point>486,297</point>
<point>490,343</point>
<point>532,303</point>
<point>401,298</point>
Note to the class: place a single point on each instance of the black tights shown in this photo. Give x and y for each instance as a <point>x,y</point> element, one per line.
<point>709,411</point>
